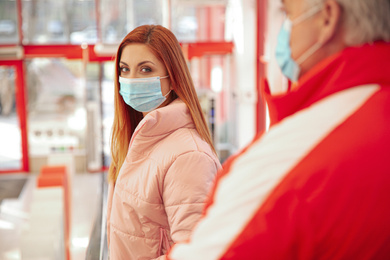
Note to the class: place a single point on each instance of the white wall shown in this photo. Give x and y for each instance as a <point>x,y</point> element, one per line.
<point>241,28</point>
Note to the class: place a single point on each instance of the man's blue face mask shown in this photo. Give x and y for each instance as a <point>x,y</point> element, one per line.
<point>142,94</point>
<point>289,67</point>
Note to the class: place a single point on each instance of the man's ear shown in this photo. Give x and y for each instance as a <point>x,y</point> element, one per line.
<point>330,21</point>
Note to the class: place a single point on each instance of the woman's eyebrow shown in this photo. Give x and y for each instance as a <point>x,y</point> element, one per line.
<point>139,64</point>
<point>146,61</point>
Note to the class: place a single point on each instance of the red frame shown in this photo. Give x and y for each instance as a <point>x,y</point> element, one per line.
<point>67,51</point>
<point>88,54</point>
<point>199,49</point>
<point>21,111</point>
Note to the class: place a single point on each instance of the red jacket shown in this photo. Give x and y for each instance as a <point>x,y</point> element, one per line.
<point>317,185</point>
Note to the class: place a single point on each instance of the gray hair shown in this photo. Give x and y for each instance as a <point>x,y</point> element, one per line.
<point>364,21</point>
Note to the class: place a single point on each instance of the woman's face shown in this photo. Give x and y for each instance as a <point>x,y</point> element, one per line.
<point>137,61</point>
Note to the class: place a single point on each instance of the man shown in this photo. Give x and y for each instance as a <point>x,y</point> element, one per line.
<point>317,185</point>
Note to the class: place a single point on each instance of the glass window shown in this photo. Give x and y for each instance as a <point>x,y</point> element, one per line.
<point>119,17</point>
<point>184,22</point>
<point>194,22</point>
<point>59,21</point>
<point>83,22</point>
<point>57,117</point>
<point>10,135</point>
<point>8,22</point>
<point>93,107</point>
<point>108,108</point>
<point>100,113</point>
<point>44,21</point>
<point>211,76</point>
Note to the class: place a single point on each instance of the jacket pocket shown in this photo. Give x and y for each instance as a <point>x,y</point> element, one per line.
<point>164,244</point>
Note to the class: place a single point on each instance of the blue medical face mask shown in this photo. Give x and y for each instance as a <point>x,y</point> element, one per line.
<point>142,94</point>
<point>290,68</point>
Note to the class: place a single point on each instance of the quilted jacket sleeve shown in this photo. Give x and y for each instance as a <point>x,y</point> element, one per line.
<point>186,186</point>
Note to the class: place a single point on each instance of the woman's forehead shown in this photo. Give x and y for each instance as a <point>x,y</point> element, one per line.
<point>137,52</point>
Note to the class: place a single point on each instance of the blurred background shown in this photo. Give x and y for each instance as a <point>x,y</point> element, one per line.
<point>56,99</point>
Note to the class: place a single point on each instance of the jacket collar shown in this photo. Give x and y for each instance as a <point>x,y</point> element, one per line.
<point>351,67</point>
<point>160,123</point>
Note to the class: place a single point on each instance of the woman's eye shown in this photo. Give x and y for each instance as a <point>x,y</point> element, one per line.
<point>146,69</point>
<point>124,70</point>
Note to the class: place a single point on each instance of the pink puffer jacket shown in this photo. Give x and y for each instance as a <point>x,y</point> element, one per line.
<point>162,185</point>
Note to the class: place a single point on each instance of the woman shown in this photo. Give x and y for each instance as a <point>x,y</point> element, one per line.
<point>163,159</point>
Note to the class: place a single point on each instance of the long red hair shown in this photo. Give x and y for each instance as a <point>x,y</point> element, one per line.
<point>165,47</point>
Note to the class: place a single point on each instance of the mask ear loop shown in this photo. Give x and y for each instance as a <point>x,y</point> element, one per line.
<point>308,53</point>
<point>316,46</point>
<point>168,93</point>
<point>170,90</point>
<point>312,11</point>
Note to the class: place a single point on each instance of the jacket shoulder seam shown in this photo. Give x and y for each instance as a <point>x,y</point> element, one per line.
<point>203,153</point>
<point>189,152</point>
